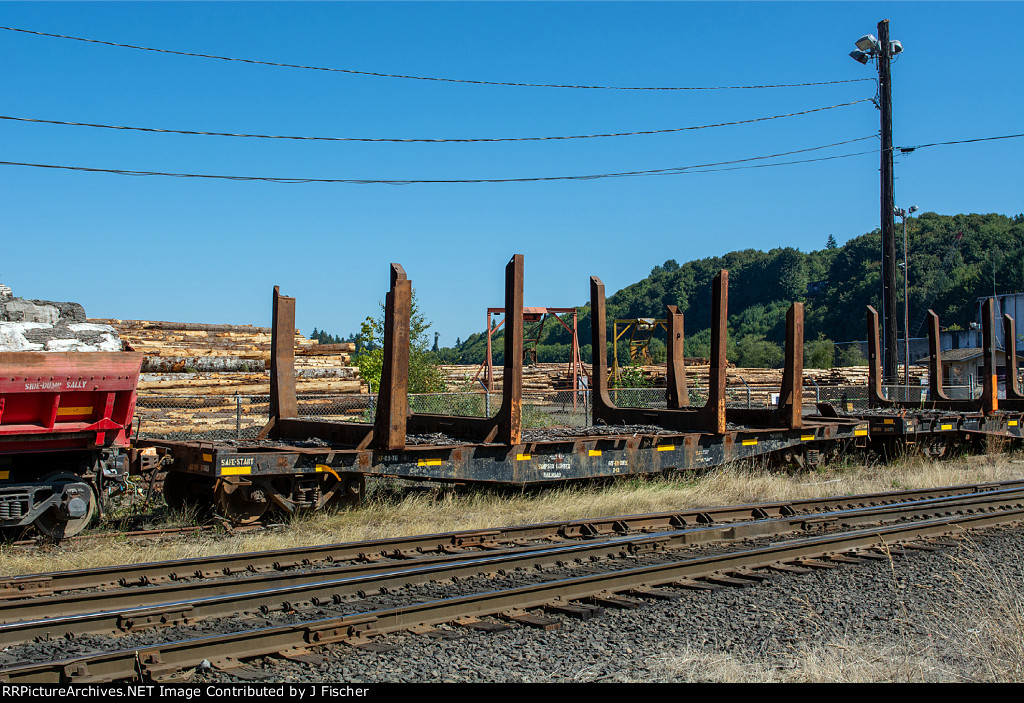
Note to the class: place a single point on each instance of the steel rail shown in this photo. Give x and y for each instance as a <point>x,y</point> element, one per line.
<point>82,602</point>
<point>161,660</point>
<point>80,614</point>
<point>32,585</point>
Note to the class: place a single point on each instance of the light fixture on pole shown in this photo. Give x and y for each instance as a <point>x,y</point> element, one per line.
<point>881,49</point>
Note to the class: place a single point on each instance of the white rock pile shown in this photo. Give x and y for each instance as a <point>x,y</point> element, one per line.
<point>47,326</point>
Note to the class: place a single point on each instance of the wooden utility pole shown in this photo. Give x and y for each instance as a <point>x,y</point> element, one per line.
<point>887,206</point>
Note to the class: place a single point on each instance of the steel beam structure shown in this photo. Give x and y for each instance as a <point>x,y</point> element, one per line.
<point>677,395</point>
<point>710,418</point>
<point>1014,397</point>
<point>713,417</point>
<point>938,400</point>
<point>388,429</point>
<point>506,426</point>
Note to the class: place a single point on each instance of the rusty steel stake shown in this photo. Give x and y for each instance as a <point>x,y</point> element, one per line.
<point>393,393</point>
<point>676,393</point>
<point>987,404</point>
<point>1014,398</point>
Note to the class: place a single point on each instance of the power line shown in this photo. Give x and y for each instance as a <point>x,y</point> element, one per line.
<point>432,141</point>
<point>651,172</point>
<point>908,149</point>
<point>675,170</point>
<point>427,78</point>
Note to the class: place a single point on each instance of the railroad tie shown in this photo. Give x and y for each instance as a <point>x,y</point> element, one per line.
<point>872,556</point>
<point>692,585</point>
<point>580,611</point>
<point>611,600</point>
<point>654,593</point>
<point>481,625</point>
<point>728,581</point>
<point>530,620</point>
<point>756,576</point>
<point>817,564</point>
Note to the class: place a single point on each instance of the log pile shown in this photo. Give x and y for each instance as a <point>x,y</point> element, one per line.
<point>185,358</point>
<point>545,378</point>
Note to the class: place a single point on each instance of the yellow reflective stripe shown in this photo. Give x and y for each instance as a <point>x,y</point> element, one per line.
<point>889,422</point>
<point>666,447</point>
<point>4,475</point>
<point>859,433</point>
<point>595,452</point>
<point>946,427</point>
<point>429,462</point>
<point>1013,423</point>
<point>207,457</point>
<point>235,470</point>
<point>74,411</point>
<point>522,457</point>
<point>806,437</point>
<point>749,442</point>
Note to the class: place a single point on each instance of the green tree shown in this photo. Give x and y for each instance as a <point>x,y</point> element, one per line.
<point>424,374</point>
<point>631,376</point>
<point>819,353</point>
<point>755,352</point>
<point>850,355</point>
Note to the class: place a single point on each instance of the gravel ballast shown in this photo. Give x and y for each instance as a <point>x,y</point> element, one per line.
<point>926,616</point>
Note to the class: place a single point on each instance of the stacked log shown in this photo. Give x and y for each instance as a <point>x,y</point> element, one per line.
<point>196,359</point>
<point>546,378</point>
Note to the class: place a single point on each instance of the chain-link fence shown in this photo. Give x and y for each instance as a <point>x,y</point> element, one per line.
<point>240,417</point>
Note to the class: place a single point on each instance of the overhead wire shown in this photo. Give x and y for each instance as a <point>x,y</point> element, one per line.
<point>428,78</point>
<point>433,140</point>
<point>361,181</point>
<point>675,170</point>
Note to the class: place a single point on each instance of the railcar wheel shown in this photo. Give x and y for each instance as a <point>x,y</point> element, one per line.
<point>78,507</point>
<point>240,500</point>
<point>348,491</point>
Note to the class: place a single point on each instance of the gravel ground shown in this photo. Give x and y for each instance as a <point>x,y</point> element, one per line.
<point>928,616</point>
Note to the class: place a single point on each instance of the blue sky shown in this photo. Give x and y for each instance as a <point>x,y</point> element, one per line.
<point>210,250</point>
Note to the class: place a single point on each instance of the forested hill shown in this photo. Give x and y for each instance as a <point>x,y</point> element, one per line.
<point>835,283</point>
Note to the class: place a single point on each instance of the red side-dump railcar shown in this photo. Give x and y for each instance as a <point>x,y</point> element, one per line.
<point>65,425</point>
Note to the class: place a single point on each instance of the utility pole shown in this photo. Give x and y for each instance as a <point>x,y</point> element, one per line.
<point>887,206</point>
<point>883,50</point>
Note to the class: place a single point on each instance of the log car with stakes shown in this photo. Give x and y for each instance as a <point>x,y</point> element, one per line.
<point>299,463</point>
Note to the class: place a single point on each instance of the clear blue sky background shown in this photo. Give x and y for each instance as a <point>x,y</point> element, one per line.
<point>210,251</point>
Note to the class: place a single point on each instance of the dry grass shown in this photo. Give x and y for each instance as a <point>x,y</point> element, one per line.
<point>391,514</point>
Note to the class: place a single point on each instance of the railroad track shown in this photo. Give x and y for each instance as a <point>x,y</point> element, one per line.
<point>568,579</point>
<point>418,546</point>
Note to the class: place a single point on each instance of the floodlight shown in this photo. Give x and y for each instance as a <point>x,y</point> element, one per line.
<point>860,56</point>
<point>913,208</point>
<point>895,47</point>
<point>867,42</point>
